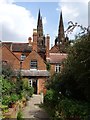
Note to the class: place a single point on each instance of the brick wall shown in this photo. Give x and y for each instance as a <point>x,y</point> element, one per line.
<point>33,56</point>
<point>52,69</point>
<point>8,56</point>
<point>41,85</point>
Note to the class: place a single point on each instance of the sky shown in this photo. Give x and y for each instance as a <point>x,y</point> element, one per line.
<point>18,18</point>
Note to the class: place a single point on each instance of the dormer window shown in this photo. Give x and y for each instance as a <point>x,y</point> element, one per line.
<point>33,64</point>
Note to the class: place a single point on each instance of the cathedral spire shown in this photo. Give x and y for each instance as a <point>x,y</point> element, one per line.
<point>39,25</point>
<point>39,16</point>
<point>61,35</point>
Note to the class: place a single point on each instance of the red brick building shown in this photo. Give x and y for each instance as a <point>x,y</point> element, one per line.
<point>31,57</point>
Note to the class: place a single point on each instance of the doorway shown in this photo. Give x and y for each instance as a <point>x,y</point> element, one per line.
<point>33,83</point>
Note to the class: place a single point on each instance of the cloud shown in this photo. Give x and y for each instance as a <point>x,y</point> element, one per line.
<point>44,20</point>
<point>16,22</point>
<point>6,1</point>
<point>68,11</point>
<point>84,1</point>
<point>76,11</point>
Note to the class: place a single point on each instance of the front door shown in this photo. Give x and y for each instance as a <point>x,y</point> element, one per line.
<point>35,86</point>
<point>33,83</point>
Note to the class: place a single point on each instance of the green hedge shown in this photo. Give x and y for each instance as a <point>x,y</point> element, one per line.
<point>65,108</point>
<point>72,109</point>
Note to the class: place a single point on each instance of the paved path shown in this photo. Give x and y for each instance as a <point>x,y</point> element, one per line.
<point>33,111</point>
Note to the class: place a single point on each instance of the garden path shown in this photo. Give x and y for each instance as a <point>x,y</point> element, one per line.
<point>33,111</point>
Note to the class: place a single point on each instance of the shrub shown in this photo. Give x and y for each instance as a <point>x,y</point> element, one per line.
<point>19,115</point>
<point>30,91</point>
<point>6,100</point>
<point>14,97</point>
<point>48,98</point>
<point>72,109</point>
<point>25,84</point>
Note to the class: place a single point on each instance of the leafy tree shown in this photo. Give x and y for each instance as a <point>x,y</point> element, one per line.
<point>19,84</point>
<point>7,71</point>
<point>76,71</point>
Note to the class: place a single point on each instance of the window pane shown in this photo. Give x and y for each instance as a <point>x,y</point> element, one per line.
<point>33,64</point>
<point>57,68</point>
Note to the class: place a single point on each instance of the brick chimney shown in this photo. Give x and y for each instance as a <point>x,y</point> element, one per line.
<point>29,40</point>
<point>35,39</point>
<point>47,47</point>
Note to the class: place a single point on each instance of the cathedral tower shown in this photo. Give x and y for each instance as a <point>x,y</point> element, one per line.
<point>41,40</point>
<point>61,41</point>
<point>40,36</point>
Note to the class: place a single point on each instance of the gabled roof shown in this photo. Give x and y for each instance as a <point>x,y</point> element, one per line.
<point>9,51</point>
<point>34,56</point>
<point>54,49</point>
<point>58,48</point>
<point>37,54</point>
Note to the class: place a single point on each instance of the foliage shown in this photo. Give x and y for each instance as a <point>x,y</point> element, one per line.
<point>14,97</point>
<point>68,108</point>
<point>27,89</point>
<point>30,91</point>
<point>48,66</point>
<point>48,98</point>
<point>7,71</point>
<point>76,71</point>
<point>25,84</point>
<point>6,100</point>
<point>0,89</point>
<point>19,84</point>
<point>19,115</point>
<point>13,91</point>
<point>71,86</point>
<point>6,87</point>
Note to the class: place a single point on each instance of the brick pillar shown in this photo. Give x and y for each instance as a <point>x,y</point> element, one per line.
<point>35,39</point>
<point>47,47</point>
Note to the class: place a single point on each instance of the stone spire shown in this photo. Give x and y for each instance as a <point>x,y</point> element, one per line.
<point>39,25</point>
<point>61,35</point>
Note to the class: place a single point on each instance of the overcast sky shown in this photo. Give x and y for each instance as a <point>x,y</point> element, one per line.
<point>18,18</point>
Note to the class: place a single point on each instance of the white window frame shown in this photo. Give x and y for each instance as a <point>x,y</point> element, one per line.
<point>57,68</point>
<point>30,82</point>
<point>33,62</point>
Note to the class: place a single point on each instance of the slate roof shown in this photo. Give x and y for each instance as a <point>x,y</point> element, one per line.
<point>18,47</point>
<point>8,44</point>
<point>34,73</point>
<point>57,57</point>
